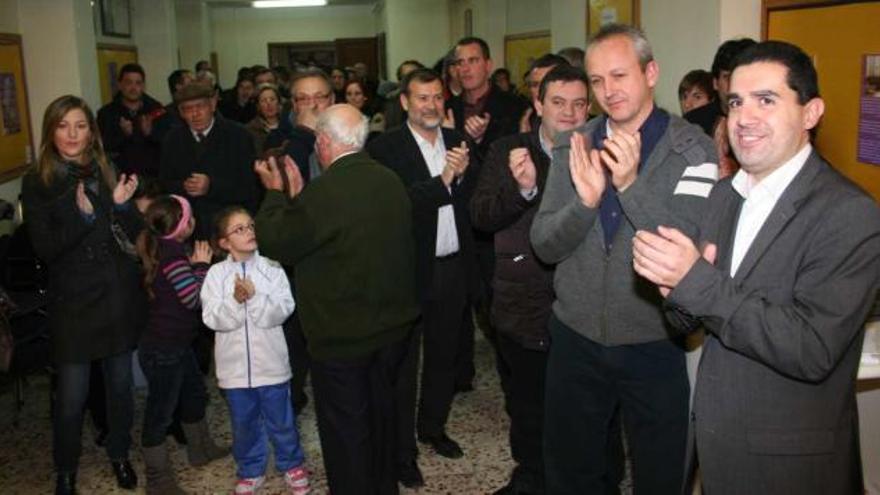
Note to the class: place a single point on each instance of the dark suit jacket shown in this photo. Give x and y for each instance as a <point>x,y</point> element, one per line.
<point>348,236</point>
<point>505,109</point>
<point>775,405</point>
<point>228,161</point>
<point>522,284</point>
<point>398,150</point>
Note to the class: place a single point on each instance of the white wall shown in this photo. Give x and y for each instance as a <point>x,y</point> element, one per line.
<point>680,43</point>
<point>240,35</point>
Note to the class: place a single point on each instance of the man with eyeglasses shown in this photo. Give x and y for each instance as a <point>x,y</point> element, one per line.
<point>311,92</point>
<point>505,202</point>
<point>209,160</point>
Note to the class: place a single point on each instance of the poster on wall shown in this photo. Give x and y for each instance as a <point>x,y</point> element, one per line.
<point>869,111</point>
<point>9,105</point>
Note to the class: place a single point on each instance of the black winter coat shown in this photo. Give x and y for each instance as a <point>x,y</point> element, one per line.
<point>522,284</point>
<point>97,306</point>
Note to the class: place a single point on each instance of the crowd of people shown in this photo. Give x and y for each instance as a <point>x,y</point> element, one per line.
<point>393,220</point>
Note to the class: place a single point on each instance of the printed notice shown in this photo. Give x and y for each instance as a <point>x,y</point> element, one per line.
<point>869,111</point>
<point>9,105</point>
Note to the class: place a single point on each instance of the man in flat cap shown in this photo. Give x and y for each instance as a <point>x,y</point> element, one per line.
<point>209,160</point>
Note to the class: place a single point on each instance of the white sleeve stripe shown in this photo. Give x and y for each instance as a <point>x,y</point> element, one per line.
<point>706,170</point>
<point>701,189</point>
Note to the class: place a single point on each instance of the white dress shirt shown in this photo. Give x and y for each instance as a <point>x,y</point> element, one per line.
<point>760,199</point>
<point>435,157</point>
<point>203,133</point>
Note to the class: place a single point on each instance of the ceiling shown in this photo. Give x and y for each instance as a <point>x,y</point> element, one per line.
<point>245,3</point>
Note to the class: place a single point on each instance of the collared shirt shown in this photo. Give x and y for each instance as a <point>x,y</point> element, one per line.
<point>203,133</point>
<point>760,199</point>
<point>435,157</point>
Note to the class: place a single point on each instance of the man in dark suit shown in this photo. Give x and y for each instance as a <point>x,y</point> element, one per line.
<point>434,165</point>
<point>349,237</point>
<point>506,199</point>
<point>788,270</point>
<point>209,161</point>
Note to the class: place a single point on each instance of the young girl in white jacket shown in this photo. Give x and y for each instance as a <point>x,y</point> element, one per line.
<point>245,299</point>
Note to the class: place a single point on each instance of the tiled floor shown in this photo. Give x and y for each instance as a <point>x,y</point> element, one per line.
<point>478,422</point>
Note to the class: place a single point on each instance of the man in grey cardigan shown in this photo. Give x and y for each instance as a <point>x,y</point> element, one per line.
<point>634,169</point>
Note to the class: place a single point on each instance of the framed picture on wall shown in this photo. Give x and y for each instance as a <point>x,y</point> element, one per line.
<point>602,12</point>
<point>116,18</point>
<point>111,58</point>
<point>16,141</point>
<point>520,50</point>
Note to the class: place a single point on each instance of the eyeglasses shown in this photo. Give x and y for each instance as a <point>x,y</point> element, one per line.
<point>241,229</point>
<point>316,98</point>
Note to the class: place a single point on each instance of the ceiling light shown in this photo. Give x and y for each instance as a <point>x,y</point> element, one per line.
<point>265,4</point>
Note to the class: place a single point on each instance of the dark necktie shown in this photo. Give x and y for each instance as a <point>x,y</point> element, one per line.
<point>201,145</point>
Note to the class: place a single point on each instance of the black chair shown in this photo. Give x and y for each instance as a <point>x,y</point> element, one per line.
<point>22,286</point>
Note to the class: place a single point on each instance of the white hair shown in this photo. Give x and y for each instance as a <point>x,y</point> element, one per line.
<point>343,132</point>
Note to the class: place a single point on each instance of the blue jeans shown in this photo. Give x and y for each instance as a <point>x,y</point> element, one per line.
<point>71,393</point>
<point>255,414</point>
<point>174,378</point>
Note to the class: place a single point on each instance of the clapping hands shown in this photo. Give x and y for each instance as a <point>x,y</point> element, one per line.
<point>244,289</point>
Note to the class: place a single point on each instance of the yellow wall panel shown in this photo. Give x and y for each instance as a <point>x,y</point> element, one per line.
<point>836,37</point>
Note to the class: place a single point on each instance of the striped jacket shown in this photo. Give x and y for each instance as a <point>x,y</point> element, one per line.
<point>173,321</point>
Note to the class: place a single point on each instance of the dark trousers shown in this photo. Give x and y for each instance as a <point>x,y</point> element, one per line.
<point>298,354</point>
<point>71,393</point>
<point>355,406</point>
<point>444,316</point>
<point>405,397</point>
<point>174,379</point>
<point>524,402</point>
<point>585,384</point>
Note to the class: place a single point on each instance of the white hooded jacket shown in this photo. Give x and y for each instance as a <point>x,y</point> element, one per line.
<point>249,349</point>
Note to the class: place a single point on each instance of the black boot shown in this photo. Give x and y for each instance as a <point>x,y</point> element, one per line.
<point>126,478</point>
<point>65,484</point>
<point>200,447</point>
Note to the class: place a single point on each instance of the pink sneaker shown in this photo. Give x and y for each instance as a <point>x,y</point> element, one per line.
<point>249,486</point>
<point>297,480</point>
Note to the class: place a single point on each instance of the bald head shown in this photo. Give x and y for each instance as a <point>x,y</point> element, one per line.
<point>340,129</point>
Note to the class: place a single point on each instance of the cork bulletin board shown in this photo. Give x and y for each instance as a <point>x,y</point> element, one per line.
<point>16,141</point>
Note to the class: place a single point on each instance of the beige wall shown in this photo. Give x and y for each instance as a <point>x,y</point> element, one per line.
<point>525,16</point>
<point>193,32</point>
<point>673,37</point>
<point>240,35</point>
<point>416,29</point>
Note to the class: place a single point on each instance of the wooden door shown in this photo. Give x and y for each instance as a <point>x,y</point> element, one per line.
<point>350,51</point>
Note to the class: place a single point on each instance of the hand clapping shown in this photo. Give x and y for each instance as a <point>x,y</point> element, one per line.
<point>271,178</point>
<point>244,289</point>
<point>125,188</point>
<point>457,161</point>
